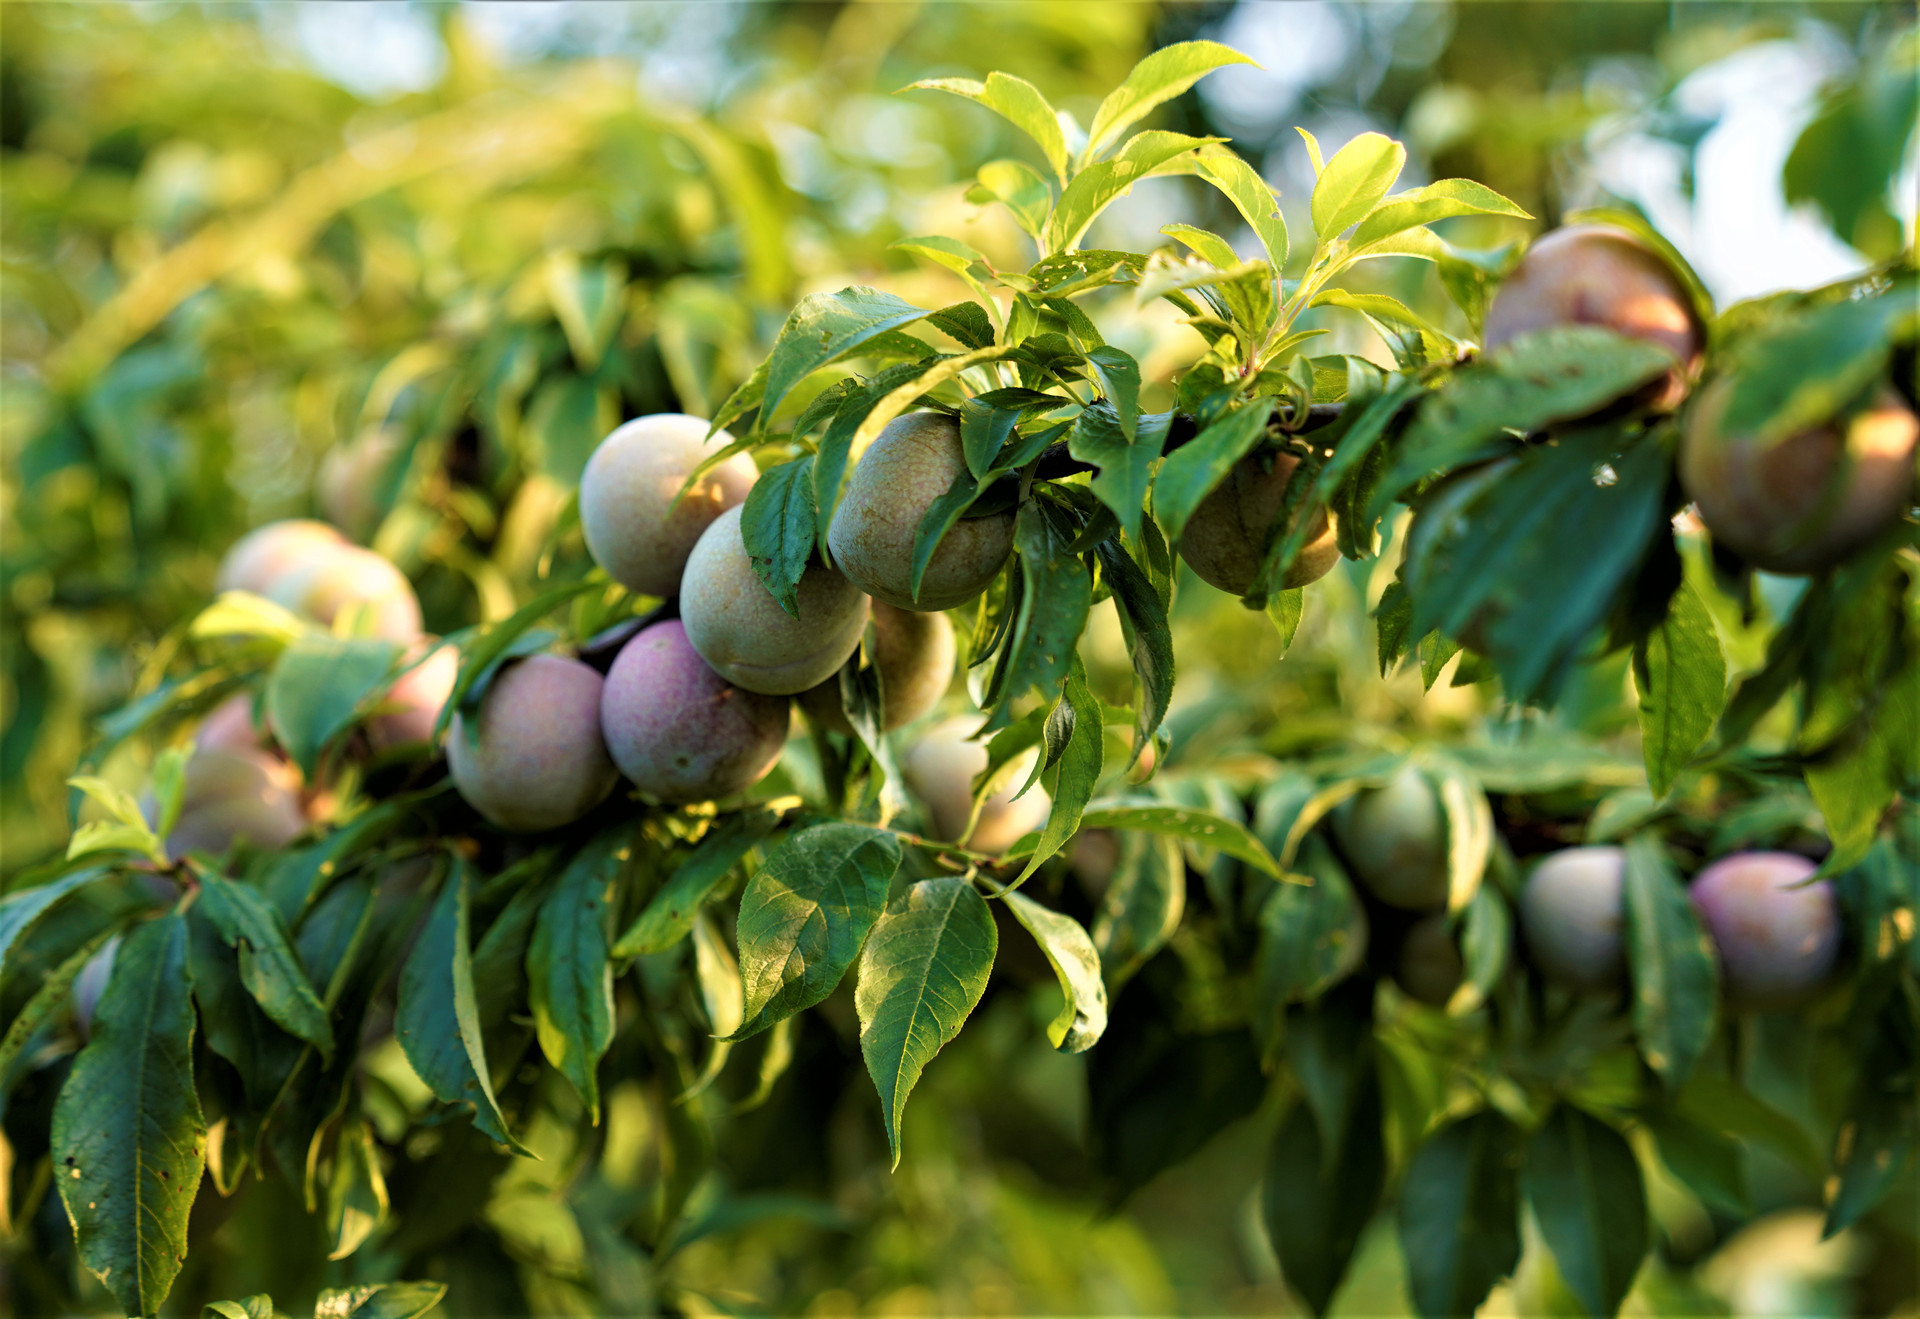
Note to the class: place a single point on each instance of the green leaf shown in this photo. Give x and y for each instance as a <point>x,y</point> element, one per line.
<point>51,996</point>
<point>1584,1184</point>
<point>669,914</point>
<point>1159,77</point>
<point>1098,186</point>
<point>1681,676</point>
<point>236,1027</point>
<point>1721,1104</point>
<point>924,968</point>
<point>951,253</point>
<point>1191,472</point>
<point>1056,598</point>
<point>1083,1013</point>
<point>128,831</point>
<point>967,322</point>
<point>1796,375</point>
<point>1311,935</point>
<point>357,1192</point>
<point>1460,1214</point>
<point>1469,833</point>
<point>983,433</point>
<point>804,915</point>
<point>1353,183</point>
<point>1181,822</point>
<point>777,527</point>
<point>1119,377</point>
<point>1872,1151</point>
<point>1424,205</point>
<point>1019,188</point>
<point>1708,1161</point>
<point>1209,247</point>
<point>1017,101</point>
<point>1077,771</point>
<point>269,967</point>
<point>1394,320</point>
<point>1675,982</point>
<point>481,656</point>
<point>319,686</point>
<point>379,1300</point>
<point>1143,903</point>
<point>588,301</point>
<point>259,1306</point>
<point>1250,194</point>
<point>129,1140</point>
<point>566,421</point>
<point>569,975</point>
<point>244,614</point>
<point>438,1018</point>
<point>1149,638</point>
<point>1124,463</point>
<point>825,327</point>
<point>1318,1196</point>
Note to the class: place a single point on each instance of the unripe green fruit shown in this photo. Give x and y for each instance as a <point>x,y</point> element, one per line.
<point>1226,538</point>
<point>1806,502</point>
<point>1778,936</point>
<point>1598,274</point>
<point>913,653</point>
<point>262,557</point>
<point>345,577</point>
<point>535,760</point>
<point>1571,914</point>
<point>348,485</point>
<point>911,463</point>
<point>940,768</point>
<point>1429,966</point>
<point>235,795</point>
<point>741,630</point>
<point>1394,838</point>
<point>411,707</point>
<point>680,731</point>
<point>633,527</point>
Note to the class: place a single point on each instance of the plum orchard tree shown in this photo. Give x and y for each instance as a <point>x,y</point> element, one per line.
<point>626,868</point>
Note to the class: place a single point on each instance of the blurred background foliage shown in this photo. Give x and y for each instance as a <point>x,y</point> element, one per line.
<point>403,265</point>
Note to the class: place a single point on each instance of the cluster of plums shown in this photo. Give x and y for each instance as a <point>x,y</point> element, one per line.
<point>1797,505</point>
<point>237,784</point>
<point>1776,935</point>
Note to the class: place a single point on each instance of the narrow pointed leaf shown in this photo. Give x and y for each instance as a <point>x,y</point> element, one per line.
<point>1584,1184</point>
<point>1460,1214</point>
<point>1191,472</point>
<point>1158,78</point>
<point>269,967</point>
<point>1017,101</point>
<point>777,528</point>
<point>1354,181</point>
<point>1681,676</point>
<point>1078,772</point>
<point>1083,1015</point>
<point>824,328</point>
<point>569,971</point>
<point>668,915</point>
<point>319,686</point>
<point>1675,983</point>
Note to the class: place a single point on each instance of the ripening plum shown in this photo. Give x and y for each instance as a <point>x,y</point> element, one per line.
<point>1806,502</point>
<point>259,559</point>
<point>940,768</point>
<point>536,760</point>
<point>634,529</point>
<point>1429,966</point>
<point>1778,936</point>
<point>913,653</point>
<point>741,630</point>
<point>1599,274</point>
<point>411,707</point>
<point>352,478</point>
<point>680,731</point>
<point>1571,914</point>
<point>911,463</point>
<point>1394,838</point>
<point>231,726</point>
<point>344,577</point>
<point>236,795</point>
<point>1226,538</point>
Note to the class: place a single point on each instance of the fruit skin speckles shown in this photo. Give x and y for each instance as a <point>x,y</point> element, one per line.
<point>628,514</point>
<point>536,760</point>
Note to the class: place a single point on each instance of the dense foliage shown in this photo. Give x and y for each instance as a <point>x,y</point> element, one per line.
<point>510,1027</point>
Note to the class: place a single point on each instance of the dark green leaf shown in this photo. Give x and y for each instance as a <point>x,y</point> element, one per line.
<point>1192,471</point>
<point>569,975</point>
<point>1675,983</point>
<point>1124,465</point>
<point>269,967</point>
<point>1682,679</point>
<point>1056,597</point>
<point>777,528</point>
<point>379,1300</point>
<point>438,1019</point>
<point>669,914</point>
<point>1078,768</point>
<point>924,968</point>
<point>1707,1160</point>
<point>983,433</point>
<point>965,321</point>
<point>19,911</point>
<point>1796,375</point>
<point>319,686</point>
<point>1311,935</point>
<point>1083,1013</point>
<point>566,420</point>
<point>1585,1188</point>
<point>129,1141</point>
<point>47,1000</point>
<point>804,915</point>
<point>1142,906</point>
<point>825,327</point>
<point>1317,1200</point>
<point>1460,1214</point>
<point>1119,377</point>
<point>1149,638</point>
<point>236,1027</point>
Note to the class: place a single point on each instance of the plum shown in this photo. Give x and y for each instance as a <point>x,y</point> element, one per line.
<point>345,577</point>
<point>236,794</point>
<point>940,768</point>
<point>231,726</point>
<point>1778,936</point>
<point>633,527</point>
<point>1226,538</point>
<point>1806,502</point>
<point>1429,966</point>
<point>266,554</point>
<point>411,707</point>
<point>911,463</point>
<point>534,759</point>
<point>352,478</point>
<point>1600,274</point>
<point>913,653</point>
<point>680,731</point>
<point>1394,838</point>
<point>741,630</point>
<point>1571,915</point>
